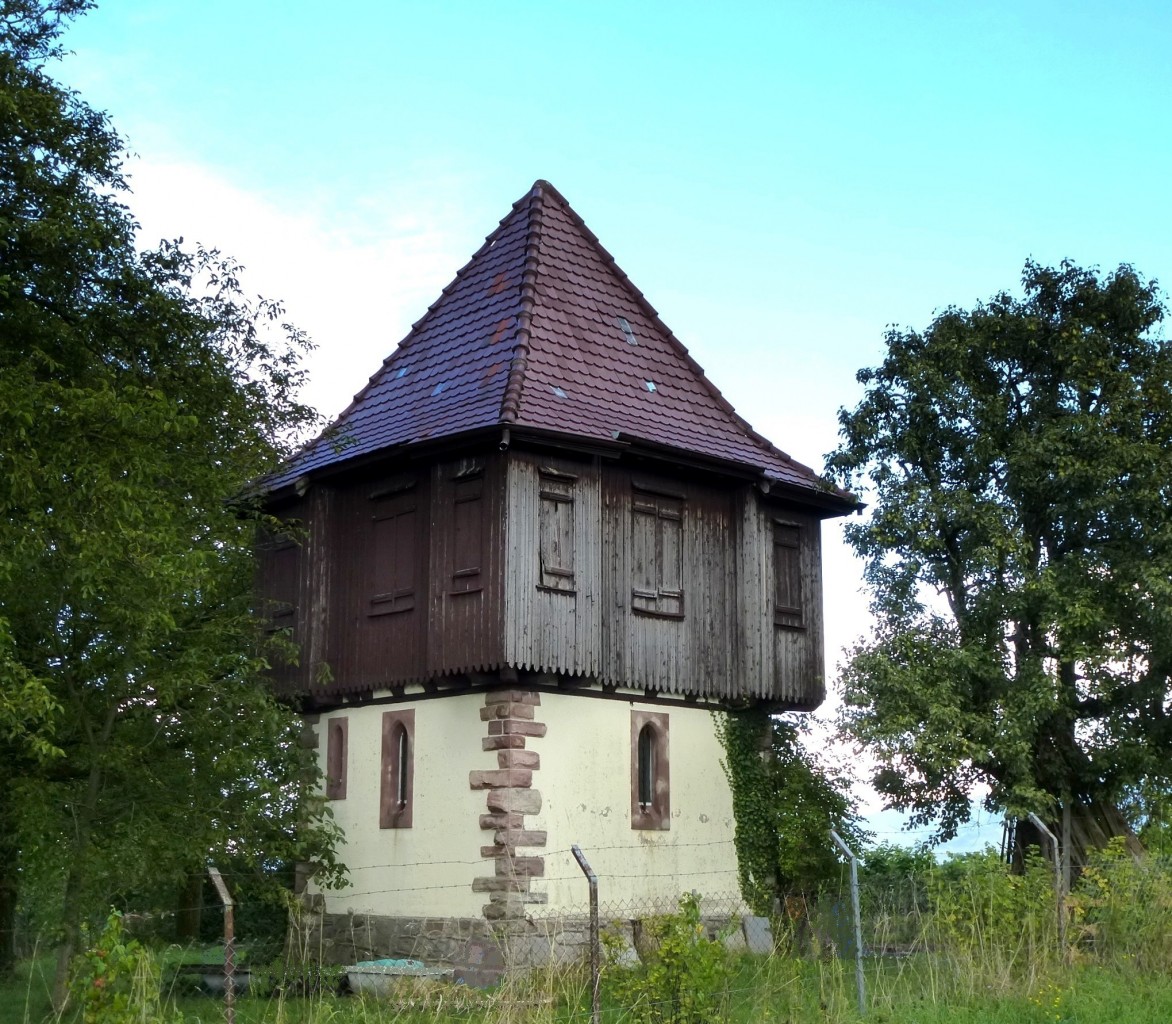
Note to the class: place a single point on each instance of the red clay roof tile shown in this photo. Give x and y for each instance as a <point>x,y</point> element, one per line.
<point>542,330</point>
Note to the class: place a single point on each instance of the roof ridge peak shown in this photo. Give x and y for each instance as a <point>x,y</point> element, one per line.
<point>511,400</point>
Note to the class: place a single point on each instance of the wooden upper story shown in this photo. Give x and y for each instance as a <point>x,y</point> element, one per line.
<point>541,481</point>
<point>549,563</point>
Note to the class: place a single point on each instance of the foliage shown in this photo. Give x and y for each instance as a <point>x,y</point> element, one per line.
<point>887,862</point>
<point>116,981</point>
<point>685,976</point>
<point>140,393</point>
<point>1122,908</point>
<point>785,801</point>
<point>1104,980</point>
<point>1148,806</point>
<point>893,892</point>
<point>983,910</point>
<point>1018,458</point>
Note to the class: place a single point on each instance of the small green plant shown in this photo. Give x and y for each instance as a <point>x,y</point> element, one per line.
<point>684,977</point>
<point>116,981</point>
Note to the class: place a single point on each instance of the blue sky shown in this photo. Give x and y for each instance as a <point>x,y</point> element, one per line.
<point>782,180</point>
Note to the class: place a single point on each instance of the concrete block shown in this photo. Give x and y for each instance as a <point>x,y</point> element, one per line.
<point>758,934</point>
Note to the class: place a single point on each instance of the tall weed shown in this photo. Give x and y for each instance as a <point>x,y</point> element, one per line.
<point>117,981</point>
<point>684,978</point>
<point>1122,910</point>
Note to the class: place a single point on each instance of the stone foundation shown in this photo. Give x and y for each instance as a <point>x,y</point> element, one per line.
<point>471,942</point>
<point>440,941</point>
<point>349,938</point>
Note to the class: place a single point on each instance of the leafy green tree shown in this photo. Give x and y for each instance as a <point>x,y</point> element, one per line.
<point>1018,457</point>
<point>140,392</point>
<point>785,801</point>
<point>1148,806</point>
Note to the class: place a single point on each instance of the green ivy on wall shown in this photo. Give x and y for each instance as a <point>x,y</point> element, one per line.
<point>784,804</point>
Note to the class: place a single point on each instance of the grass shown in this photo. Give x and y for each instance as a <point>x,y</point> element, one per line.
<point>975,946</point>
<point>914,990</point>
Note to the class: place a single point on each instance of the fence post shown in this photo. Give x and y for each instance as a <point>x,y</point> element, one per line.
<point>860,983</point>
<point>595,952</point>
<point>229,946</point>
<point>1059,889</point>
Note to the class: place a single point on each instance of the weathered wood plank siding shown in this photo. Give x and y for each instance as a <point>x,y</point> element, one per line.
<point>317,575</point>
<point>466,568</point>
<point>669,581</point>
<point>553,585</point>
<point>379,634</point>
<point>754,640</point>
<point>279,567</point>
<point>550,564</point>
<point>797,640</point>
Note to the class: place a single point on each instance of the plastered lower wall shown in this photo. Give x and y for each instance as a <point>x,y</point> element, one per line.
<point>425,870</point>
<point>585,780</point>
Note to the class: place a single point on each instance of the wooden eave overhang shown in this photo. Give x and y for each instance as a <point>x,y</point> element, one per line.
<point>827,504</point>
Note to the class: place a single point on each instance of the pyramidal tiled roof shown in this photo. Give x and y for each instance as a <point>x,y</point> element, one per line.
<point>541,331</point>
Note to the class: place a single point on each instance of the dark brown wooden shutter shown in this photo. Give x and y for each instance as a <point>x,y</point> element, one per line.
<point>394,552</point>
<point>468,536</point>
<point>787,573</point>
<point>280,581</point>
<point>556,532</point>
<point>657,543</point>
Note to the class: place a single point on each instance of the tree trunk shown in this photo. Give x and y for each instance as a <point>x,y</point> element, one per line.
<point>75,885</point>
<point>1092,827</point>
<point>9,858</point>
<point>190,910</point>
<point>1066,843</point>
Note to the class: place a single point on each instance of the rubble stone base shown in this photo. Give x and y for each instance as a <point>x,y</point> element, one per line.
<point>439,941</point>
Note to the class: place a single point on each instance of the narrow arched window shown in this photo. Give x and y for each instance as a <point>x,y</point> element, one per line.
<point>650,788</point>
<point>403,744</point>
<point>398,769</point>
<point>336,759</point>
<point>646,768</point>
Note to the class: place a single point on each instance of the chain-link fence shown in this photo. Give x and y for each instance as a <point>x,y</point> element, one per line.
<point>956,929</point>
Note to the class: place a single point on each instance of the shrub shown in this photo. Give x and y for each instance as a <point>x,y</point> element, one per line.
<point>684,978</point>
<point>1122,908</point>
<point>116,981</point>
<point>983,911</point>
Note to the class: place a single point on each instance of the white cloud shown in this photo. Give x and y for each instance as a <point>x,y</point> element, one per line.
<point>354,278</point>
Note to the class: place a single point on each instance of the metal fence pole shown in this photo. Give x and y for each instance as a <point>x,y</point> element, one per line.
<point>861,984</point>
<point>1059,889</point>
<point>229,946</point>
<point>595,951</point>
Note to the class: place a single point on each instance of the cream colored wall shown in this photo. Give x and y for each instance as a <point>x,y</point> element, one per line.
<point>585,782</point>
<point>425,870</point>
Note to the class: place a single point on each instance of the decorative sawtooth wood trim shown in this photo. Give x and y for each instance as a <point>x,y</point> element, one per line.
<point>510,717</point>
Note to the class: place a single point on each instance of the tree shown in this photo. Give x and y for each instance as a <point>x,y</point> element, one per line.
<point>1019,551</point>
<point>785,801</point>
<point>140,392</point>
